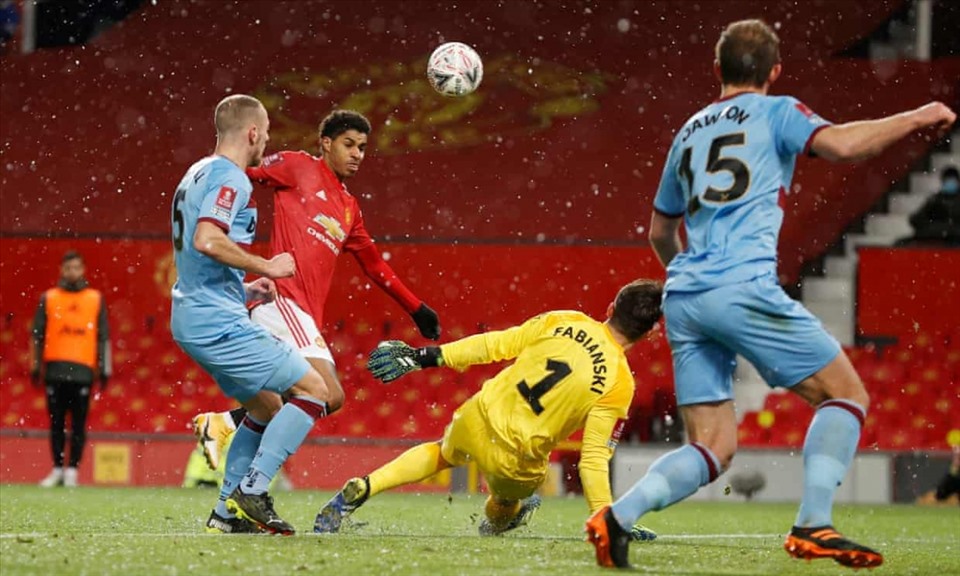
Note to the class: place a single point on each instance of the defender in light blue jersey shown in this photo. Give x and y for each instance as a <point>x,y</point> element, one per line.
<point>208,298</point>
<point>725,172</point>
<point>723,177</point>
<point>213,219</point>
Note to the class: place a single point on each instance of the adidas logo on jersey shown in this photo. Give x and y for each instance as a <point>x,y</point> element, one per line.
<point>321,194</point>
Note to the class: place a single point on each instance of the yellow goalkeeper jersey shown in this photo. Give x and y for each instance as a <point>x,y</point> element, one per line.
<point>569,374</point>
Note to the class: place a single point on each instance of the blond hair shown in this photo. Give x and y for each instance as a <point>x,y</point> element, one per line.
<point>235,112</point>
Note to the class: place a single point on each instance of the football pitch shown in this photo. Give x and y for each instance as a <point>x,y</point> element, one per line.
<point>160,531</point>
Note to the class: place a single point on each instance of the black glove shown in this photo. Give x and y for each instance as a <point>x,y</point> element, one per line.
<point>427,321</point>
<point>393,358</point>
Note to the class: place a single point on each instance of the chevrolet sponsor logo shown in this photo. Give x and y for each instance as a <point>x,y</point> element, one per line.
<point>323,240</point>
<point>331,227</point>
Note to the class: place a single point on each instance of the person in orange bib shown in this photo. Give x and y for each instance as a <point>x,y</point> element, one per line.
<point>71,350</point>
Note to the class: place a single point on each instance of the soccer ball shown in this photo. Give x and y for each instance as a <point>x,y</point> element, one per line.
<point>454,69</point>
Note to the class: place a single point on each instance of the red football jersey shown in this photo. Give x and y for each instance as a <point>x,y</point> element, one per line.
<point>315,218</point>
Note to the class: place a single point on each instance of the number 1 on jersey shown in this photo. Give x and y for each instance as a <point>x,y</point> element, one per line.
<point>558,370</point>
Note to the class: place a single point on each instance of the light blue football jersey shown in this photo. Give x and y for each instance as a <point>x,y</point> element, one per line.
<point>208,297</point>
<point>724,173</point>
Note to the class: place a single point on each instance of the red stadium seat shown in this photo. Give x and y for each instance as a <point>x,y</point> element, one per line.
<point>784,403</point>
<point>902,439</point>
<point>881,375</point>
<point>904,355</point>
<point>890,413</point>
<point>750,432</point>
<point>931,374</point>
<point>870,432</point>
<point>951,361</point>
<point>364,427</point>
<point>947,407</point>
<point>861,354</point>
<point>788,435</point>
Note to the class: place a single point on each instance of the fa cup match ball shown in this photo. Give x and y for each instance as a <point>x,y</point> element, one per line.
<point>454,69</point>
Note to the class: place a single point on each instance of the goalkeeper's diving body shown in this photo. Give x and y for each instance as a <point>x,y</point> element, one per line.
<point>569,373</point>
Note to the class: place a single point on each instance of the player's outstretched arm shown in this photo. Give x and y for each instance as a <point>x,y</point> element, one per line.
<point>393,358</point>
<point>211,241</point>
<point>856,141</point>
<point>493,346</point>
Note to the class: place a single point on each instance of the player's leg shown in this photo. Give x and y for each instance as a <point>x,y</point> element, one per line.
<point>511,504</point>
<point>512,482</point>
<point>418,463</point>
<point>711,432</point>
<point>247,363</point>
<point>703,374</point>
<point>841,400</point>
<point>498,512</point>
<point>213,431</point>
<point>414,465</point>
<point>246,440</point>
<point>79,407</point>
<point>307,397</point>
<point>284,319</point>
<point>328,371</point>
<point>306,403</point>
<point>790,348</point>
<point>56,407</point>
<point>828,450</point>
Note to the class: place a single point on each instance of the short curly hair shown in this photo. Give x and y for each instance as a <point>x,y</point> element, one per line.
<point>339,121</point>
<point>637,308</point>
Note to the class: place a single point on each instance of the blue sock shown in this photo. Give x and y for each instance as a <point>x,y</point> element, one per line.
<point>827,453</point>
<point>246,440</point>
<point>283,436</point>
<point>671,478</point>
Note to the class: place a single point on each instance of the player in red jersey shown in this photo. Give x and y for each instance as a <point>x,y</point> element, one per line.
<point>315,219</point>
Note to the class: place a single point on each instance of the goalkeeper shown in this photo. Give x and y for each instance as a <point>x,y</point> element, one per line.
<point>569,373</point>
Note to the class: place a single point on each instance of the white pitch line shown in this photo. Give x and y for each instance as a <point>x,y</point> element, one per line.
<point>662,538</point>
<point>9,535</point>
<point>715,536</point>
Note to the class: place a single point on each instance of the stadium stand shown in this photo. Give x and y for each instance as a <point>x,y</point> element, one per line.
<point>116,97</point>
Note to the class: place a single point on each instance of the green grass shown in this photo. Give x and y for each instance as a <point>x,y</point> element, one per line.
<point>159,531</point>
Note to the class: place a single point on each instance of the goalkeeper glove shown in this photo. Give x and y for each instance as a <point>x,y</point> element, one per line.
<point>427,322</point>
<point>393,358</point>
